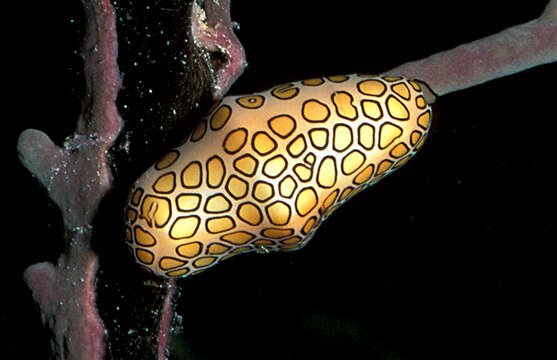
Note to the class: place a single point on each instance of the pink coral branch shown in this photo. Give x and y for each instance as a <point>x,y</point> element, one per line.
<point>77,176</point>
<point>513,50</point>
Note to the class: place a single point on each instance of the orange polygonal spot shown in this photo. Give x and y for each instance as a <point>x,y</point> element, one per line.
<point>165,184</point>
<point>343,105</point>
<point>282,125</point>
<point>246,164</point>
<point>372,87</point>
<point>315,111</point>
<point>219,224</point>
<point>278,213</point>
<point>215,171</point>
<point>251,101</point>
<point>285,92</point>
<point>190,250</point>
<point>235,140</point>
<point>249,213</point>
<point>143,238</point>
<point>155,210</point>
<point>191,175</point>
<point>263,144</point>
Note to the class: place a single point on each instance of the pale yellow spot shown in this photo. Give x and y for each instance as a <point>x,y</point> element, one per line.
<point>274,166</point>
<point>352,162</point>
<point>263,191</point>
<point>204,261</point>
<point>303,172</point>
<point>215,171</point>
<point>297,146</point>
<point>188,202</point>
<point>397,109</point>
<point>306,201</point>
<point>366,136</point>
<point>184,227</point>
<point>287,186</point>
<point>424,119</point>
<point>387,134</point>
<point>275,233</point>
<point>372,109</point>
<point>319,138</point>
<point>327,172</point>
<point>217,204</point>
<point>342,137</point>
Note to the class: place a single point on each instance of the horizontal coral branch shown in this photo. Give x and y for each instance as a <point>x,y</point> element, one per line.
<point>510,51</point>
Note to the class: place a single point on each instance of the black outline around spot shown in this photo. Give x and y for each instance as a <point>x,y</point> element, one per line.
<point>393,139</point>
<point>294,140</point>
<point>270,137</point>
<point>283,88</point>
<point>273,130</point>
<point>403,105</point>
<point>217,212</point>
<point>334,137</point>
<point>249,97</point>
<point>188,194</point>
<point>320,103</point>
<point>173,258</point>
<point>313,207</point>
<point>223,171</point>
<point>230,192</point>
<point>368,116</point>
<point>311,138</point>
<point>246,133</point>
<point>173,183</point>
<point>373,137</point>
<point>271,159</point>
<point>200,175</point>
<point>342,162</point>
<point>359,84</point>
<point>247,222</point>
<point>269,217</point>
<point>169,165</point>
<point>191,242</point>
<point>219,217</point>
<point>313,85</point>
<point>225,121</point>
<point>319,168</point>
<point>216,258</point>
<point>154,224</point>
<point>184,237</point>
<point>351,103</point>
<point>255,186</point>
<point>143,262</point>
<point>145,231</point>
<point>241,171</point>
<point>402,97</point>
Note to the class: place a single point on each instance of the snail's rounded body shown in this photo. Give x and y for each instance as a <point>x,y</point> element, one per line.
<point>262,171</point>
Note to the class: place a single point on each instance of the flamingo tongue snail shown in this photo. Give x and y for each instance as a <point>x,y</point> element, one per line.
<point>262,171</point>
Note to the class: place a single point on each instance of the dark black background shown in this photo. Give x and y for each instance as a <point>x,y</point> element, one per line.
<point>451,257</point>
